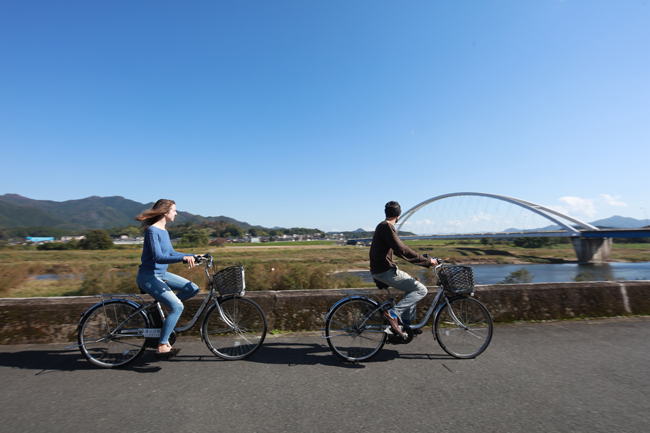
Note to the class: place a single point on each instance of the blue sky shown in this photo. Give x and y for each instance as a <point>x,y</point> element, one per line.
<point>316,113</point>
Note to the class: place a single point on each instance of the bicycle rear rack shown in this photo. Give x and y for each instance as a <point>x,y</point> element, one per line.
<point>364,293</point>
<point>108,296</point>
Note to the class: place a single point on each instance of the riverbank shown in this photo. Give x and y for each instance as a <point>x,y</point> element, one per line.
<point>33,273</point>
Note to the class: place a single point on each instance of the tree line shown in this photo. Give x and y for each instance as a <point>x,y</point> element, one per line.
<point>190,234</point>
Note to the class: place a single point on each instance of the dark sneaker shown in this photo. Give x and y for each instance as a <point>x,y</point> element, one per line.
<point>417,331</point>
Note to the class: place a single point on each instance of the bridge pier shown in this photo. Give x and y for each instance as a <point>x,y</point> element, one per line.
<point>592,249</point>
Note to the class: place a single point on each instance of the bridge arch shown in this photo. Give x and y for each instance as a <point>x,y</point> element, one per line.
<point>587,250</point>
<point>545,212</point>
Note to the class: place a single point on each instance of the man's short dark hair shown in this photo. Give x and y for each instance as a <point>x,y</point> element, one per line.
<point>393,209</point>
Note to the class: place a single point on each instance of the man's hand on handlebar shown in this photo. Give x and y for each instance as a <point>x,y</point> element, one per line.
<point>433,261</point>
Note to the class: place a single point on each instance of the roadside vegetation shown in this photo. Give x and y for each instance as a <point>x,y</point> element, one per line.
<point>26,271</point>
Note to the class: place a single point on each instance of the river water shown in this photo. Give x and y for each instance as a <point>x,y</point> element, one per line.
<point>557,273</point>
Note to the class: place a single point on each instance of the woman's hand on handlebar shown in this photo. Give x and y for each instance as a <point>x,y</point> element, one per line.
<point>191,260</point>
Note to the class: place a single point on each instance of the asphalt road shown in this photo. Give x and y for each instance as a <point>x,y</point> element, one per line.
<point>587,376</point>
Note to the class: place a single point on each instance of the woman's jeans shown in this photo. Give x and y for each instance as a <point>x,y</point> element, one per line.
<point>414,291</point>
<point>160,288</point>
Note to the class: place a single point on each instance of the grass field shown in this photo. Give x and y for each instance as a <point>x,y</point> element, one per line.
<point>288,266</point>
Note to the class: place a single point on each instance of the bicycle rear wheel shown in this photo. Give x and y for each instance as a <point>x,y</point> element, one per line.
<point>240,338</point>
<point>355,331</point>
<point>470,339</point>
<point>98,340</point>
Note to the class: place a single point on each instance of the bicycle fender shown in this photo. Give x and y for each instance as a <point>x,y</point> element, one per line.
<point>340,301</point>
<point>209,309</point>
<point>440,307</point>
<point>112,301</point>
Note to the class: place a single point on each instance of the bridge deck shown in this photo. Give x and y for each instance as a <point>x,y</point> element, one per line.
<point>617,233</point>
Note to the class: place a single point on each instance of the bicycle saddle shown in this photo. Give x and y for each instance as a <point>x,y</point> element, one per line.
<point>380,285</point>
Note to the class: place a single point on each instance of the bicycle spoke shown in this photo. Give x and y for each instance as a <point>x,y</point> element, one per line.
<point>239,338</point>
<point>348,323</point>
<point>100,346</point>
<point>469,338</point>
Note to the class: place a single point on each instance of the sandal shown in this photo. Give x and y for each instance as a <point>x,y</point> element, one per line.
<point>167,355</point>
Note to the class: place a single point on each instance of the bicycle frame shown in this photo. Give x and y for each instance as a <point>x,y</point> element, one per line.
<point>441,299</point>
<point>435,308</point>
<point>141,306</point>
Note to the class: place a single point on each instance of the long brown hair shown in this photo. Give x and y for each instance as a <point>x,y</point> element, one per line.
<point>155,214</point>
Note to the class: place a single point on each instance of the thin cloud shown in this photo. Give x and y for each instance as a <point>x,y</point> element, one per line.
<point>613,201</point>
<point>577,205</point>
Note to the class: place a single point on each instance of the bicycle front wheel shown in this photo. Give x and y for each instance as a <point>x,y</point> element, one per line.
<point>355,330</point>
<point>471,336</point>
<point>240,335</point>
<point>101,343</point>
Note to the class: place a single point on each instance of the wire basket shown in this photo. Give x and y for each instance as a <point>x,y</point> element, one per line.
<point>458,280</point>
<point>230,280</point>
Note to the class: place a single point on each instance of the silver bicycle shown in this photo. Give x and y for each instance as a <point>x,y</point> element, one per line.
<point>117,330</point>
<point>356,329</point>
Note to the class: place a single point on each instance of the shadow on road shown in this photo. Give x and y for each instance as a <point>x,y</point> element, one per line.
<point>291,353</point>
<point>300,354</point>
<point>51,361</point>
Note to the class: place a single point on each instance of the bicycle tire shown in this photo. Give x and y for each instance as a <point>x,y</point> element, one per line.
<point>354,332</point>
<point>242,339</point>
<point>470,340</point>
<point>96,338</point>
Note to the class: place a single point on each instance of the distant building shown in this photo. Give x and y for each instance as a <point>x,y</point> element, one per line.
<point>39,239</point>
<point>69,238</point>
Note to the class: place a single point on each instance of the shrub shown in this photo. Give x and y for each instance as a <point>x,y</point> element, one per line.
<point>218,242</point>
<point>195,238</point>
<point>521,276</point>
<point>97,239</point>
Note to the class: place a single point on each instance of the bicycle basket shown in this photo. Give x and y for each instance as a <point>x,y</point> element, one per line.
<point>458,280</point>
<point>230,280</point>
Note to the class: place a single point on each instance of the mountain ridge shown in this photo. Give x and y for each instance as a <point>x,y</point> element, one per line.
<point>92,212</point>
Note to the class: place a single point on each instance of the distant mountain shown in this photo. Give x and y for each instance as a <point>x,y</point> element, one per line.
<point>88,213</point>
<point>12,215</point>
<point>619,222</point>
<point>615,222</point>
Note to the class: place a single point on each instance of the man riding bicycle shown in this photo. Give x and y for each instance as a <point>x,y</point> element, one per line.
<point>385,242</point>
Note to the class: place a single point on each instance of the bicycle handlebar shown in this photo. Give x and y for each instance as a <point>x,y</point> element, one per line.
<point>439,260</point>
<point>200,258</point>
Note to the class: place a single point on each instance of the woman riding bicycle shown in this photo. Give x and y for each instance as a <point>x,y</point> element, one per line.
<point>384,269</point>
<point>153,277</point>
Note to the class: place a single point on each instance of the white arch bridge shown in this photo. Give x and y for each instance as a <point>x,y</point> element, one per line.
<point>590,243</point>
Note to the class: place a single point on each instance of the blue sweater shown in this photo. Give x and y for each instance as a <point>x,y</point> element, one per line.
<point>158,252</point>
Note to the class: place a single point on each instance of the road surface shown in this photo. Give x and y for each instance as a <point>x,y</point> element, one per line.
<point>583,376</point>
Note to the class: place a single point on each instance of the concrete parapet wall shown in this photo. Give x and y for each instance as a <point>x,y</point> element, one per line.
<point>49,320</point>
